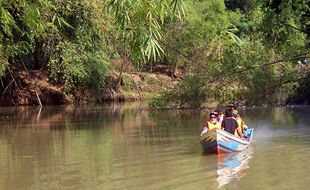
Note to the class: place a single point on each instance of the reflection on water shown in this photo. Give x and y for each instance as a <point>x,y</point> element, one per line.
<point>232,166</point>
<point>227,168</point>
<point>128,147</point>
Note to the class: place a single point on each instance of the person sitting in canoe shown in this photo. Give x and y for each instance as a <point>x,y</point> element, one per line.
<point>239,120</point>
<point>232,107</point>
<point>230,124</point>
<point>212,123</point>
<point>220,115</point>
<point>241,124</point>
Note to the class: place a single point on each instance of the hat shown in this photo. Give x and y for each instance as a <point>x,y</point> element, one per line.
<point>232,106</point>
<point>218,111</point>
<point>213,114</point>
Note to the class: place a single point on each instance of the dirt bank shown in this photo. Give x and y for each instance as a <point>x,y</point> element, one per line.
<point>32,87</point>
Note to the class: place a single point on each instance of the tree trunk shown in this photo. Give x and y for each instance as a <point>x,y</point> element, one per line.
<point>151,68</point>
<point>119,78</point>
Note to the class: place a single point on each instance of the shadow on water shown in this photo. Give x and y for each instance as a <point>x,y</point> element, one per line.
<point>229,167</point>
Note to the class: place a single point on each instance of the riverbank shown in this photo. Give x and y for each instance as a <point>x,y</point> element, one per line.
<point>33,87</point>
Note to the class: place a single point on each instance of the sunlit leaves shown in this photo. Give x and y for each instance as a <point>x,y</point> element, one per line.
<point>60,22</point>
<point>232,34</point>
<point>7,22</point>
<point>228,49</point>
<point>178,8</point>
<point>3,62</point>
<point>153,49</point>
<point>79,57</point>
<point>23,21</point>
<point>140,23</point>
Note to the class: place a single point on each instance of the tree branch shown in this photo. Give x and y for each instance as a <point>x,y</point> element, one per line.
<point>295,57</point>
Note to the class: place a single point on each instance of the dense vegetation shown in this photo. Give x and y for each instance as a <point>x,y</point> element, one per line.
<point>249,51</point>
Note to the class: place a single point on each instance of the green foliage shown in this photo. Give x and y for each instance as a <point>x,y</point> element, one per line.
<point>128,83</point>
<point>57,31</point>
<point>139,25</point>
<point>80,63</point>
<point>219,45</point>
<point>230,51</point>
<point>22,22</point>
<point>3,62</point>
<point>71,67</point>
<point>301,91</point>
<point>80,60</point>
<point>191,92</point>
<point>286,33</point>
<point>166,100</point>
<point>78,67</point>
<point>207,29</point>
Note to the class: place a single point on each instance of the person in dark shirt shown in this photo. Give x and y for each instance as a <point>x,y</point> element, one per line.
<point>230,124</point>
<point>233,107</point>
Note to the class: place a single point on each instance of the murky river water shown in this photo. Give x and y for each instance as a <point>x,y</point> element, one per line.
<point>127,147</point>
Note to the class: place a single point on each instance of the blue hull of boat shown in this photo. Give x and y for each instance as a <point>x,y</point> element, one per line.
<point>221,142</point>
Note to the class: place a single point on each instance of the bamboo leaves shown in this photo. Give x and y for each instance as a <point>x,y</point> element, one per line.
<point>153,49</point>
<point>232,34</point>
<point>141,24</point>
<point>178,8</point>
<point>22,22</point>
<point>7,22</point>
<point>60,22</point>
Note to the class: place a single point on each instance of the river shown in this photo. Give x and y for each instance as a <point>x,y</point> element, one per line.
<point>124,146</point>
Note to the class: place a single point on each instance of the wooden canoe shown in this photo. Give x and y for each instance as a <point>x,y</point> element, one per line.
<point>218,141</point>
